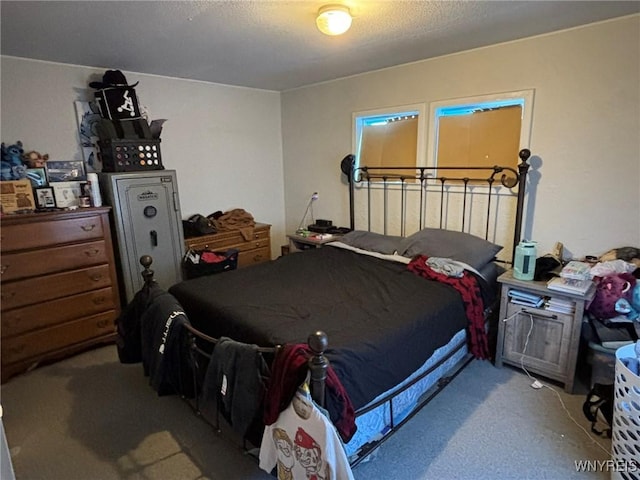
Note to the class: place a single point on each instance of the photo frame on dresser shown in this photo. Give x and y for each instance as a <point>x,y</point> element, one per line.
<point>66,171</point>
<point>45,198</point>
<point>67,194</point>
<point>37,176</point>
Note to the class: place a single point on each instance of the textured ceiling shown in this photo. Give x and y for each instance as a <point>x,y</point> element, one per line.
<point>274,44</point>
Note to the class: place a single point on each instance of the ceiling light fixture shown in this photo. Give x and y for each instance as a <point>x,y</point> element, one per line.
<point>333,19</point>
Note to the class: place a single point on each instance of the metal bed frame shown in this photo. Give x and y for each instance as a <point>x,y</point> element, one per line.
<point>387,178</point>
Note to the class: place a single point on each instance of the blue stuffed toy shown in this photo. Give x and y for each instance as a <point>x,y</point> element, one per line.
<point>630,306</point>
<point>11,167</point>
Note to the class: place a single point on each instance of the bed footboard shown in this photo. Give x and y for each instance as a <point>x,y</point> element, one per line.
<point>317,342</point>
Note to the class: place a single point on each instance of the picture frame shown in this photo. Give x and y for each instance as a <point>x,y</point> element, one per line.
<point>16,196</point>
<point>66,171</point>
<point>67,194</point>
<point>45,197</point>
<point>37,176</point>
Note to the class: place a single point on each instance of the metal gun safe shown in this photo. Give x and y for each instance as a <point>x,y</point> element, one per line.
<point>146,221</point>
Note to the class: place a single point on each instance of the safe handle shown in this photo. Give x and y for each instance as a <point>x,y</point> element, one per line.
<point>154,238</point>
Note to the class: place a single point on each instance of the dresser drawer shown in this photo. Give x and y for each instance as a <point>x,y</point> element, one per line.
<point>251,257</point>
<point>221,241</point>
<point>241,247</point>
<point>53,312</point>
<point>41,342</point>
<point>51,260</point>
<point>40,289</point>
<point>43,234</point>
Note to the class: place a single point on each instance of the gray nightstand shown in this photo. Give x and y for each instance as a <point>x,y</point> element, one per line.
<point>298,243</point>
<point>551,338</point>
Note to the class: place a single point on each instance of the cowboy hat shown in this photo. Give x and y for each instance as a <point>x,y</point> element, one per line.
<point>112,78</point>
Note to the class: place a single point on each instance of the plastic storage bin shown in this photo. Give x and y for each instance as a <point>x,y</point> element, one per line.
<point>625,437</point>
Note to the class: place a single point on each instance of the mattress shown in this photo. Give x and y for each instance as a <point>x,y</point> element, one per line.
<point>375,423</point>
<point>383,322</point>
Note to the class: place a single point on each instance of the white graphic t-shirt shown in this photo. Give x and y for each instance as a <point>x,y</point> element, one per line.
<point>304,444</point>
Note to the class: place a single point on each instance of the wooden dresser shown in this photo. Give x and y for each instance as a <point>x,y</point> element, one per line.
<point>59,286</point>
<point>256,249</point>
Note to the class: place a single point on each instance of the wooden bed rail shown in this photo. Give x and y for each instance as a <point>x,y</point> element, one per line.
<point>317,342</point>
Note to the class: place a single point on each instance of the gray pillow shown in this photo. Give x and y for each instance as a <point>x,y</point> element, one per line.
<point>460,246</point>
<point>373,242</point>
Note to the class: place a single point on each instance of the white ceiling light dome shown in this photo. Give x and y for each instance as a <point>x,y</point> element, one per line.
<point>333,19</point>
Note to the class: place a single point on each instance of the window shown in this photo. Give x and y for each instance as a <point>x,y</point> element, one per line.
<point>480,131</point>
<point>391,137</point>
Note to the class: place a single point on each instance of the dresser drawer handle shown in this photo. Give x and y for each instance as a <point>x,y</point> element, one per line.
<point>96,277</point>
<point>258,244</point>
<point>3,268</point>
<point>98,300</point>
<point>102,323</point>
<point>257,257</point>
<point>92,253</point>
<point>538,313</point>
<point>88,228</point>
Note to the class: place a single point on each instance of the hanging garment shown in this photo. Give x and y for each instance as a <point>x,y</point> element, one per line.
<point>236,379</point>
<point>303,444</point>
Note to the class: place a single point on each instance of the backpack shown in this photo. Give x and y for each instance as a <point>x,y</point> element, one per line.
<point>197,225</point>
<point>598,407</point>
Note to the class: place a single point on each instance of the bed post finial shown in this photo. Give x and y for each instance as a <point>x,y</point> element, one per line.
<point>523,168</point>
<point>318,365</point>
<point>147,273</point>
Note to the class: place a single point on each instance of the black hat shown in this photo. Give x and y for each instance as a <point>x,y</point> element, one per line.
<point>346,165</point>
<point>112,78</point>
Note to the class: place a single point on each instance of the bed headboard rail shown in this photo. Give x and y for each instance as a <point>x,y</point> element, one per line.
<point>487,201</point>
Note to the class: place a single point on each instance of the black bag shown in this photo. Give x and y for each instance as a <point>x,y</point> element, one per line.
<point>197,225</point>
<point>598,407</point>
<point>225,261</point>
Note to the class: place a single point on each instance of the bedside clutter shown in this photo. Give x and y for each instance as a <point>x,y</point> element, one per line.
<point>232,230</point>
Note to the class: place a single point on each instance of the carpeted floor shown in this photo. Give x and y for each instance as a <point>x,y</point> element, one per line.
<point>89,417</point>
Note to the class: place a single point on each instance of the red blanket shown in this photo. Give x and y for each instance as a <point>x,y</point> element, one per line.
<point>469,289</point>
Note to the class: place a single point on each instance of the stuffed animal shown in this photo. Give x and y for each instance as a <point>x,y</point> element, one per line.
<point>11,167</point>
<point>630,307</point>
<point>35,159</point>
<point>628,254</point>
<point>609,290</point>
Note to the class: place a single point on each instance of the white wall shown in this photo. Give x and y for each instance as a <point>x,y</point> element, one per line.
<point>230,150</point>
<point>224,142</point>
<point>585,135</point>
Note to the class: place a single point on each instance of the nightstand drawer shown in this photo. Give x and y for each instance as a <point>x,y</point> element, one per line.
<point>538,338</point>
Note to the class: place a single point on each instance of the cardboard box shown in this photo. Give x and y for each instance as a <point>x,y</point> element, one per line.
<point>16,195</point>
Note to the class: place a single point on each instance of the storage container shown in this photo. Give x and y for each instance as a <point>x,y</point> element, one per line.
<point>524,264</point>
<point>625,446</point>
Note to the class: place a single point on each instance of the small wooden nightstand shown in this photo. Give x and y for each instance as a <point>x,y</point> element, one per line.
<point>298,243</point>
<point>539,339</point>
